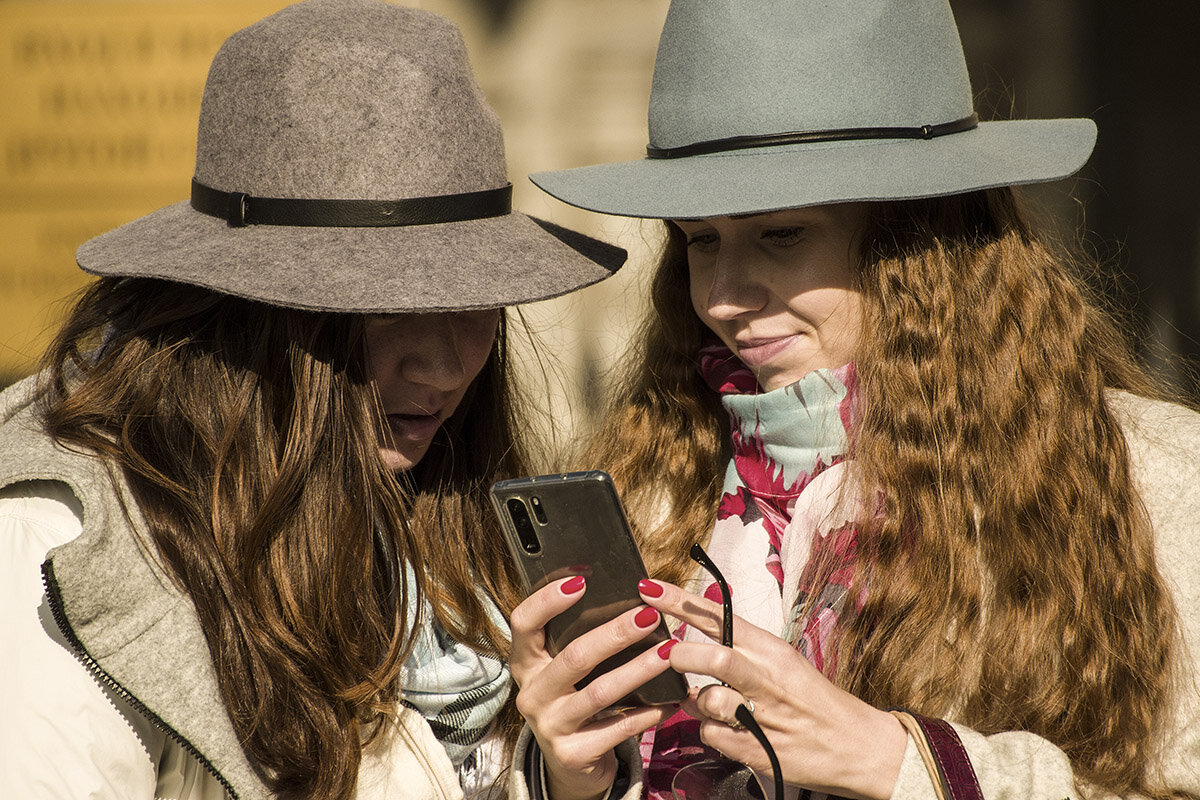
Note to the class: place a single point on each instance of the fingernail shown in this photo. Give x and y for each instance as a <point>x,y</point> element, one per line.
<point>664,651</point>
<point>645,618</point>
<point>649,588</point>
<point>572,586</point>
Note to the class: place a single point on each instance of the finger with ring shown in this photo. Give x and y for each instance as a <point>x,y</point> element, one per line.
<point>737,724</point>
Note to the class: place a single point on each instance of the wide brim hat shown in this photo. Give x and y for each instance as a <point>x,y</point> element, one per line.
<point>347,161</point>
<point>760,105</point>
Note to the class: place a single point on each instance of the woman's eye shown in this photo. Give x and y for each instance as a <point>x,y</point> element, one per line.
<point>783,236</point>
<point>703,240</point>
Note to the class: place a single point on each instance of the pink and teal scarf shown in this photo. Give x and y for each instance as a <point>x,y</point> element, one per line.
<point>783,528</point>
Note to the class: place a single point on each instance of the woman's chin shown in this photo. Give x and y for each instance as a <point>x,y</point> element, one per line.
<point>405,457</point>
<point>770,379</point>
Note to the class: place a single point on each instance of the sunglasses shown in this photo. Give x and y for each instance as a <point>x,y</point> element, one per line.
<point>742,714</point>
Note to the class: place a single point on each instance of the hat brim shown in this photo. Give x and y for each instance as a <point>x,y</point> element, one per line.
<point>1005,153</point>
<point>474,264</point>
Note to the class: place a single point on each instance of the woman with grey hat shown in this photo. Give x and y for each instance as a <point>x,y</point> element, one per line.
<point>249,551</point>
<point>958,520</point>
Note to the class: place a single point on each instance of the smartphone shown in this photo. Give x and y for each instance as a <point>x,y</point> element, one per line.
<point>573,523</point>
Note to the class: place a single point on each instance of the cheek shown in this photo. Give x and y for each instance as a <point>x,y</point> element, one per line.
<point>476,335</point>
<point>847,331</point>
<point>699,288</point>
<point>379,348</point>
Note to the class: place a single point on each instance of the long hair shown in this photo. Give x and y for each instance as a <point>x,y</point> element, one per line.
<point>249,436</point>
<point>665,437</point>
<point>1010,580</point>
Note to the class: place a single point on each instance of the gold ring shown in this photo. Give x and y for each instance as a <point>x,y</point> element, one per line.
<point>737,724</point>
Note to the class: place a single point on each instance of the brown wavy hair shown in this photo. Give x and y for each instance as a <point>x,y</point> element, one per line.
<point>249,435</point>
<point>1011,580</point>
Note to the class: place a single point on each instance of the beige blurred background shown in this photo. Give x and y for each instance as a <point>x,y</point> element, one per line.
<point>100,100</point>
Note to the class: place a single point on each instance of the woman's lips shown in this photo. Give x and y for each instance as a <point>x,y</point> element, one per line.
<point>414,427</point>
<point>757,352</point>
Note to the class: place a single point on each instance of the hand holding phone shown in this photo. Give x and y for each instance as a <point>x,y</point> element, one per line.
<point>567,524</point>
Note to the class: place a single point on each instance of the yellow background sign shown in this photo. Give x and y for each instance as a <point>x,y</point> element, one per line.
<point>100,102</point>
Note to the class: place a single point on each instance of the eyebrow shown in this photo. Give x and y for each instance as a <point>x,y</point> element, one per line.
<point>731,216</point>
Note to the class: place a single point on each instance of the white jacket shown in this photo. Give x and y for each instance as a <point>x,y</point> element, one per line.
<point>65,735</point>
<point>109,689</point>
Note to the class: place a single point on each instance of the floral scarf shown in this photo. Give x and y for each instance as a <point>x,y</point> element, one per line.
<point>782,530</point>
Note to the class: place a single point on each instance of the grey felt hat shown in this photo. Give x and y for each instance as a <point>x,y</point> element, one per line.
<point>759,105</point>
<point>346,160</point>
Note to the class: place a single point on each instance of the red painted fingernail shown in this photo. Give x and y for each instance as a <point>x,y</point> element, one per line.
<point>573,585</point>
<point>645,618</point>
<point>664,651</point>
<point>649,588</point>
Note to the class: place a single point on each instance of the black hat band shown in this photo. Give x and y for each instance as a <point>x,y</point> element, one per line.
<point>806,137</point>
<point>240,209</point>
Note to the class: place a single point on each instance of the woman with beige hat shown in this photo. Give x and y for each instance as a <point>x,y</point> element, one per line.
<point>248,547</point>
<point>958,520</point>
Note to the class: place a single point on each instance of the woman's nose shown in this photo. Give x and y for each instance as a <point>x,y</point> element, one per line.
<point>733,289</point>
<point>432,355</point>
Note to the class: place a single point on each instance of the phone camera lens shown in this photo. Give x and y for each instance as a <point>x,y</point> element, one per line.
<point>525,533</point>
<point>539,510</point>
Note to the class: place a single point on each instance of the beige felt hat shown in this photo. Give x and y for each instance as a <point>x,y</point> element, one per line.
<point>346,160</point>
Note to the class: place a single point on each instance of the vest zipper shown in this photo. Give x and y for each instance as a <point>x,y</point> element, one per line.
<point>54,597</point>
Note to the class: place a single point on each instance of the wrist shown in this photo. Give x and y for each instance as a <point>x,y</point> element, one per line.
<point>560,790</point>
<point>880,744</point>
<point>562,784</point>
